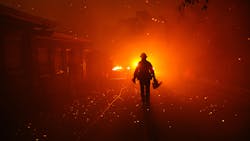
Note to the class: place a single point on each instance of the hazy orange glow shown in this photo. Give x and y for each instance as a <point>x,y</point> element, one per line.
<point>158,54</point>
<point>172,56</point>
<point>134,63</point>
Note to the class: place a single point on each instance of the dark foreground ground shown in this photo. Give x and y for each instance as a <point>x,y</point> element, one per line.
<point>185,111</point>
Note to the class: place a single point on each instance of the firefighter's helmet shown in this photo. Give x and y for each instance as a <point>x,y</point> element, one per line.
<point>143,55</point>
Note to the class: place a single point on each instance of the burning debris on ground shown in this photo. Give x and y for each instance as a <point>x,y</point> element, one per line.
<point>102,110</point>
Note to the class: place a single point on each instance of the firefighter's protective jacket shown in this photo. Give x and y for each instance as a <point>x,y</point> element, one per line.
<point>144,71</point>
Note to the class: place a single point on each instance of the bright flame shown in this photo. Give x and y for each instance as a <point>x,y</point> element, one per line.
<point>117,68</point>
<point>163,57</point>
<point>135,63</point>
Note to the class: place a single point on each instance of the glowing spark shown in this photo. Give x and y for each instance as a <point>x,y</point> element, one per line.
<point>45,136</point>
<point>87,120</point>
<point>163,110</point>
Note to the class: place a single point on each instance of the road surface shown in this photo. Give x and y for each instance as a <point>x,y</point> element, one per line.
<point>185,111</point>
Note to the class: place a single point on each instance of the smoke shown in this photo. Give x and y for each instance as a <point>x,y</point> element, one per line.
<point>211,43</point>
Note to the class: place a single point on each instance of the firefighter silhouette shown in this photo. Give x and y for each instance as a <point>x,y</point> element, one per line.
<point>144,72</point>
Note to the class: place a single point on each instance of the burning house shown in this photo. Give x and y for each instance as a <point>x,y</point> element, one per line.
<point>37,62</point>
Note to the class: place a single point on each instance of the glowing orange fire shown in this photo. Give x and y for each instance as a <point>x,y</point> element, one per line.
<point>117,68</point>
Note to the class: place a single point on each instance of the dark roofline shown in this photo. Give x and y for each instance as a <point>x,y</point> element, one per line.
<point>16,15</point>
<point>43,28</point>
<point>64,37</point>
